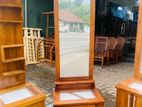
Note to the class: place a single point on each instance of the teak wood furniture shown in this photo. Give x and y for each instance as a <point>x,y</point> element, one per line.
<point>128,95</point>
<point>107,48</point>
<point>47,14</point>
<point>49,49</point>
<point>111,49</point>
<point>101,49</point>
<point>72,86</point>
<point>129,92</point>
<point>12,62</point>
<point>32,36</point>
<point>119,48</point>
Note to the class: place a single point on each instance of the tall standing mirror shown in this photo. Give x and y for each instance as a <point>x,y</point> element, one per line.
<point>74,37</point>
<point>74,28</point>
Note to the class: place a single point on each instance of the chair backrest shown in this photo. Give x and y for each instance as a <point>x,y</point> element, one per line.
<point>112,43</point>
<point>102,40</point>
<point>121,43</point>
<point>101,45</point>
<point>123,40</point>
<point>48,46</point>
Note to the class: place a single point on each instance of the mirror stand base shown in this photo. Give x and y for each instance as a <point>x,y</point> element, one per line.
<point>78,98</point>
<point>77,94</point>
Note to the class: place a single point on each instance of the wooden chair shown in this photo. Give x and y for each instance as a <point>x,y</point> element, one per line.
<point>101,47</point>
<point>49,47</point>
<point>119,48</point>
<point>112,42</point>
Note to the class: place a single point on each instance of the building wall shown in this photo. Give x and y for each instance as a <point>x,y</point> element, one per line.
<point>35,19</point>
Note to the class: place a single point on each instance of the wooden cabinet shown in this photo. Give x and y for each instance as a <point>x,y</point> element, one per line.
<point>129,93</point>
<point>13,90</point>
<point>12,64</point>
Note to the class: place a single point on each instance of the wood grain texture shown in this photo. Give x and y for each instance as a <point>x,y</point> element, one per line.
<point>74,85</point>
<point>138,51</point>
<point>12,63</point>
<point>37,100</point>
<point>127,97</point>
<point>122,98</point>
<point>11,53</point>
<point>97,102</point>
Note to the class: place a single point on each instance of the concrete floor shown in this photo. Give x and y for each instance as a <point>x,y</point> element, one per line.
<point>106,78</point>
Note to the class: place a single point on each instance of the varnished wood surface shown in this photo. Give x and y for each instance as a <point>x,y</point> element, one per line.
<point>12,63</point>
<point>124,86</point>
<point>97,102</point>
<point>37,100</point>
<point>138,51</point>
<point>74,85</point>
<point>12,57</point>
<point>127,97</point>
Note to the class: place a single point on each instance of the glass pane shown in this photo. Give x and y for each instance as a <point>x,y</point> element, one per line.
<point>15,95</point>
<point>74,27</point>
<point>136,86</point>
<point>77,95</point>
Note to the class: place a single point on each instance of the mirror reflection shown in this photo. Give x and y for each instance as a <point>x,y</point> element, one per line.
<point>74,37</point>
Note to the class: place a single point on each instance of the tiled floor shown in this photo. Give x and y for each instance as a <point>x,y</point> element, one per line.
<point>106,78</point>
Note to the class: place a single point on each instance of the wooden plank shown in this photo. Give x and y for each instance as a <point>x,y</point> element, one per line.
<point>138,101</point>
<point>122,98</point>
<point>10,21</point>
<point>10,6</point>
<point>138,51</point>
<point>11,73</point>
<point>13,59</point>
<point>47,13</point>
<point>12,46</point>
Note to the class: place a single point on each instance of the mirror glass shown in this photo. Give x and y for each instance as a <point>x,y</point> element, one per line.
<point>74,37</point>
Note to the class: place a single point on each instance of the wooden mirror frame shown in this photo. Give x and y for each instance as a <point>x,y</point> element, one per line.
<point>137,64</point>
<point>91,51</point>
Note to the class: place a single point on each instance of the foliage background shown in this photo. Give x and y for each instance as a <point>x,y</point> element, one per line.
<point>80,8</point>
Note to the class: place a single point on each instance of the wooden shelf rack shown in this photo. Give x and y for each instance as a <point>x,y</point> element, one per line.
<point>3,56</point>
<point>12,65</point>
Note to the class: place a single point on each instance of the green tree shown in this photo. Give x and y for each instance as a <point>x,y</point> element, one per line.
<point>83,12</point>
<point>78,7</point>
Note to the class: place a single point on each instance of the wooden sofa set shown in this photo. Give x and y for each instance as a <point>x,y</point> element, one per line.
<point>109,49</point>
